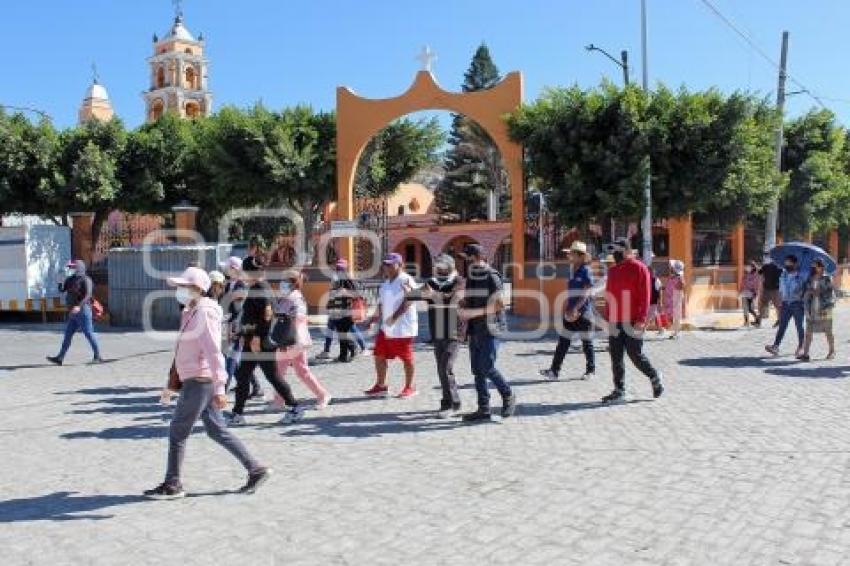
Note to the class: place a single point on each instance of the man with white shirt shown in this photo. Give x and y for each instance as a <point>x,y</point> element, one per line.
<point>399,325</point>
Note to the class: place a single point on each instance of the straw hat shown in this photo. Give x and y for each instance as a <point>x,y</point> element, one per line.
<point>578,247</point>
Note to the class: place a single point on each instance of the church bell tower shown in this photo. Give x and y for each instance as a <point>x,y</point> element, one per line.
<point>178,74</point>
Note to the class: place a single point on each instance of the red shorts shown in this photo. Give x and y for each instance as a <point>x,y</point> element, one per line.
<point>389,348</point>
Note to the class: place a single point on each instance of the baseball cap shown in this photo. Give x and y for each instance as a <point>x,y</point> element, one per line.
<point>232,262</point>
<point>622,244</point>
<point>393,259</point>
<point>474,250</point>
<point>194,276</point>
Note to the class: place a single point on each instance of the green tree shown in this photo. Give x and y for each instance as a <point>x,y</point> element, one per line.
<point>29,166</point>
<point>395,155</point>
<point>815,160</point>
<point>586,150</point>
<point>473,164</point>
<point>88,164</point>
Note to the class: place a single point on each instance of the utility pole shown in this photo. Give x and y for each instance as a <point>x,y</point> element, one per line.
<point>646,223</point>
<point>773,213</point>
<point>624,63</point>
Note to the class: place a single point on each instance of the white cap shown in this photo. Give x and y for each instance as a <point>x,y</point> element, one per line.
<point>217,277</point>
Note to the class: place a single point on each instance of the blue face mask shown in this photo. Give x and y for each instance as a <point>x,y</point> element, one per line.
<point>285,287</point>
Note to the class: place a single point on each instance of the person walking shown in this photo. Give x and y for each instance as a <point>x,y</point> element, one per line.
<point>292,304</point>
<point>577,321</point>
<point>653,316</point>
<point>231,302</point>
<point>441,292</point>
<point>79,295</point>
<point>399,326</point>
<point>819,301</point>
<point>343,291</point>
<point>791,287</point>
<point>254,330</point>
<point>673,297</point>
<point>769,295</point>
<point>749,291</point>
<point>199,365</point>
<point>626,306</point>
<point>483,309</point>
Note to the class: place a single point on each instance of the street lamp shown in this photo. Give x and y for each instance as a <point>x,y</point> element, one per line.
<point>623,62</point>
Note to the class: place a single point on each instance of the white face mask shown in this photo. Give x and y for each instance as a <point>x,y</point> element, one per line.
<point>285,287</point>
<point>184,295</point>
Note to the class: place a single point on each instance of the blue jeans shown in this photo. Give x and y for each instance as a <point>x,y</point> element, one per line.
<point>231,361</point>
<point>482,357</point>
<point>83,322</point>
<point>790,310</point>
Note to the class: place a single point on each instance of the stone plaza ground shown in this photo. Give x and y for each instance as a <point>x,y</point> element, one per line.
<point>743,461</point>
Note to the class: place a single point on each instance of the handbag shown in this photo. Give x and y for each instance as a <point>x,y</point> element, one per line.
<point>281,333</point>
<point>358,309</point>
<point>174,382</point>
<point>96,309</point>
<point>662,320</point>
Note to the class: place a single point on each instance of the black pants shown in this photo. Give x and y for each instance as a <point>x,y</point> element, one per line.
<point>582,329</point>
<point>445,352</point>
<point>621,342</point>
<point>269,368</point>
<point>344,329</point>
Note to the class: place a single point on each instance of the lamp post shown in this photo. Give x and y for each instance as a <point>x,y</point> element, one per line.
<point>623,62</point>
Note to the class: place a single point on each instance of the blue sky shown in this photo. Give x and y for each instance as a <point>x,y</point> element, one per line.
<point>285,52</point>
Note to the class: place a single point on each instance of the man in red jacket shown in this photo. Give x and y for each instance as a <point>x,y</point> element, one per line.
<point>627,293</point>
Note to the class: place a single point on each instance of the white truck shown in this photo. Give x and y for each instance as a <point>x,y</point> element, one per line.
<point>32,261</point>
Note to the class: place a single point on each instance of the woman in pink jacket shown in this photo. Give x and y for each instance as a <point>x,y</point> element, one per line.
<point>200,366</point>
<point>292,303</point>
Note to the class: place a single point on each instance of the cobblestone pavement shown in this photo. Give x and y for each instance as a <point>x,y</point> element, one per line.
<point>743,461</point>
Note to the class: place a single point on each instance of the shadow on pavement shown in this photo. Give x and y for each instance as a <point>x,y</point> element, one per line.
<point>372,425</point>
<point>25,366</point>
<point>62,506</point>
<point>829,372</point>
<point>118,390</point>
<point>736,362</point>
<point>135,432</point>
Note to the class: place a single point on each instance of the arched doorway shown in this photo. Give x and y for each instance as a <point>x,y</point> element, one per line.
<point>359,119</point>
<point>417,257</point>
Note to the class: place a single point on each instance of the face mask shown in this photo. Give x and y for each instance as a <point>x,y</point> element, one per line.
<point>285,287</point>
<point>69,271</point>
<point>184,295</point>
<point>749,269</point>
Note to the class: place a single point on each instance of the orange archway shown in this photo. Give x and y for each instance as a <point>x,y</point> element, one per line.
<point>358,119</point>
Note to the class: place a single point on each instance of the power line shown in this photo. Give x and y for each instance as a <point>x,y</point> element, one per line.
<point>757,48</point>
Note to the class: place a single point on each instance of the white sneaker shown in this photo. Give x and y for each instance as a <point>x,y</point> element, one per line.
<point>322,404</point>
<point>588,375</point>
<point>365,352</point>
<point>235,419</point>
<point>292,416</point>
